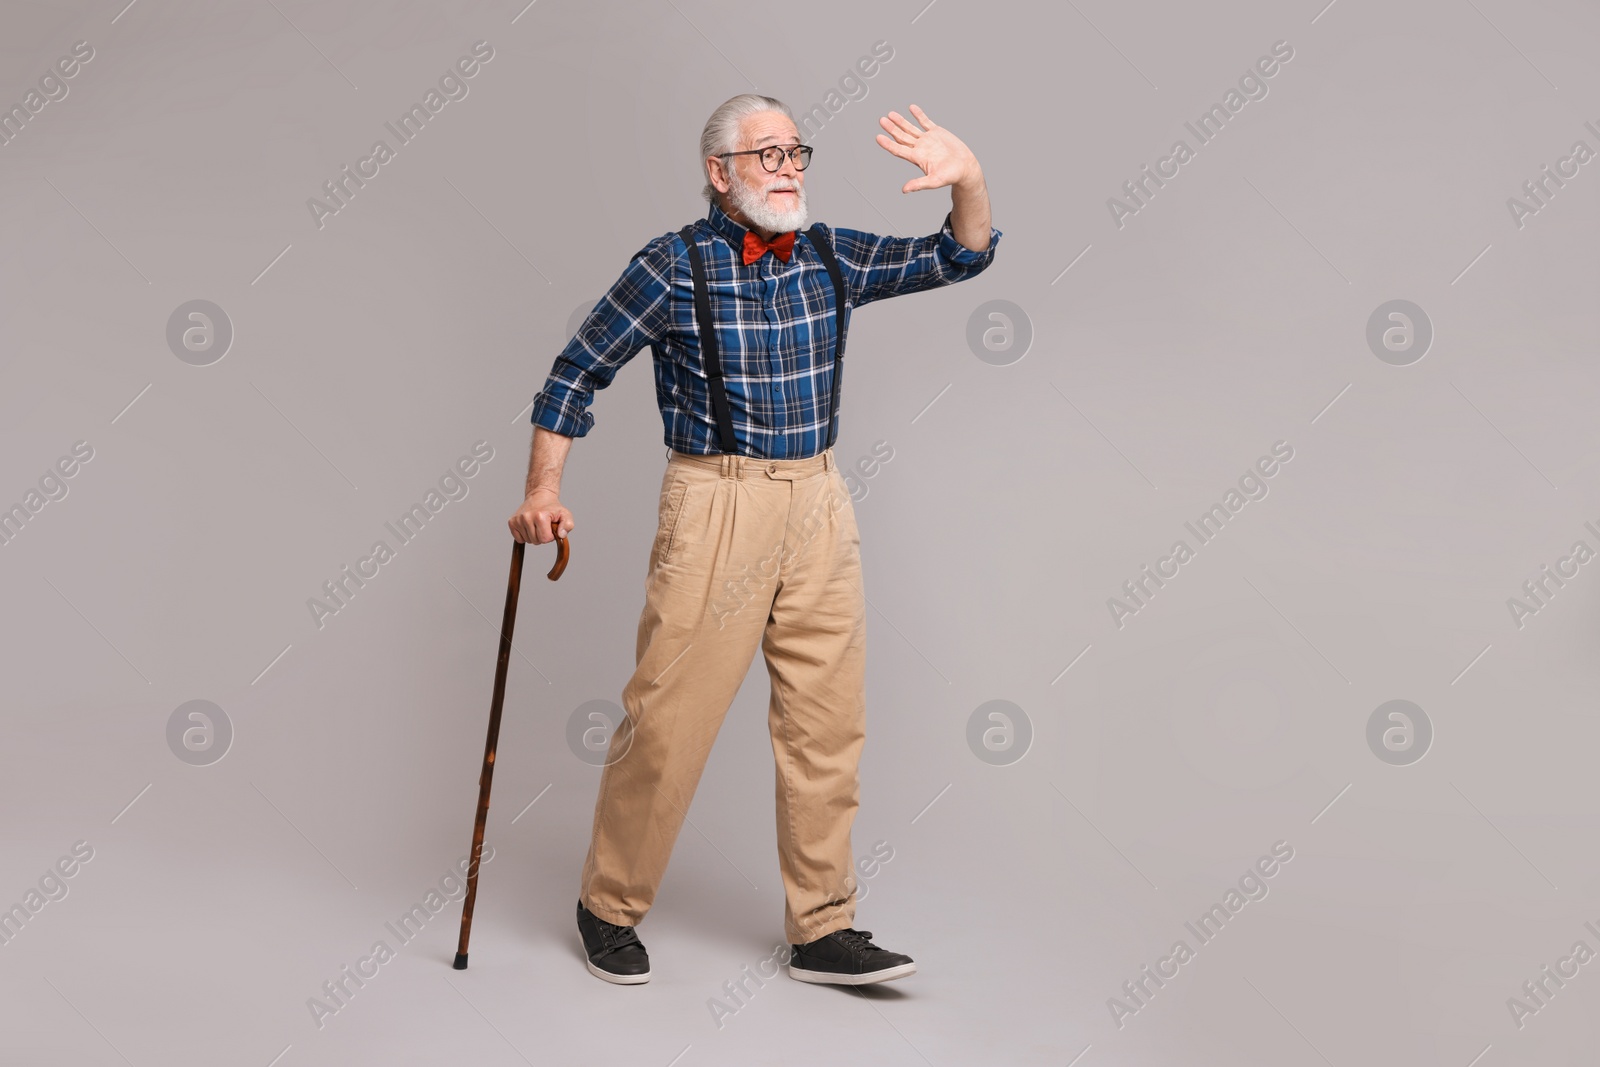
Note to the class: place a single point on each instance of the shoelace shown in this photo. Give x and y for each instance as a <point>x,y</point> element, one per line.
<point>857,939</point>
<point>616,936</point>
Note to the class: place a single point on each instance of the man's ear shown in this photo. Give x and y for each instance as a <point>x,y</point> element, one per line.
<point>716,174</point>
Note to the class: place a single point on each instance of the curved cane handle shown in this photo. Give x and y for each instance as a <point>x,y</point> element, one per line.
<point>562,551</point>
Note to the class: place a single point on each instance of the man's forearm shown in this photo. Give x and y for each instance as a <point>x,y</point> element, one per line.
<point>547,455</point>
<point>969,212</point>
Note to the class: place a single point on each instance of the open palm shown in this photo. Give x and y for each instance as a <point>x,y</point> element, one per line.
<point>943,157</point>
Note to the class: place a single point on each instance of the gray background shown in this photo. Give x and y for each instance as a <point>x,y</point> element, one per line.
<point>1229,714</point>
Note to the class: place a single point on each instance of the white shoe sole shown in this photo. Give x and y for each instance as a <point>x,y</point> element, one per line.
<point>616,979</point>
<point>888,974</point>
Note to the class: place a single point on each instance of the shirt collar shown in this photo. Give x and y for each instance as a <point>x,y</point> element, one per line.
<point>720,222</point>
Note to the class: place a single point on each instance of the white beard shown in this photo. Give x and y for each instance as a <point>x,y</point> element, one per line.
<point>753,204</point>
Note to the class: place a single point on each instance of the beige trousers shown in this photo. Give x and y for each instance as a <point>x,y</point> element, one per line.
<point>747,552</point>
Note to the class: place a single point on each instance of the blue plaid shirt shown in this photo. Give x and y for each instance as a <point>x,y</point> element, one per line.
<point>775,326</point>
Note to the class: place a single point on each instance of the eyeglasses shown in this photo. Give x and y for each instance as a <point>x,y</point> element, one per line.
<point>772,156</point>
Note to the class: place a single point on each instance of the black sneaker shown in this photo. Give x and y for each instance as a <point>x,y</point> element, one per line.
<point>615,952</point>
<point>847,957</point>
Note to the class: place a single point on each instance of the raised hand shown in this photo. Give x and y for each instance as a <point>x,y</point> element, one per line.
<point>943,157</point>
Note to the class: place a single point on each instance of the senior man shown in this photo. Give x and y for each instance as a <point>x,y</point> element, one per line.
<point>756,542</point>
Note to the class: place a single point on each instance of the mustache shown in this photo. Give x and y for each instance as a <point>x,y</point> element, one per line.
<point>759,190</point>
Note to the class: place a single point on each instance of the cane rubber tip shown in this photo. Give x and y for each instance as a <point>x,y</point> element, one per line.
<point>461,961</point>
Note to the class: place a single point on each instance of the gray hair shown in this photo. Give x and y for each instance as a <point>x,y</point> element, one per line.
<point>722,129</point>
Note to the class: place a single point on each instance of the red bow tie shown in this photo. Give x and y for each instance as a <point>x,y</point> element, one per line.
<point>782,246</point>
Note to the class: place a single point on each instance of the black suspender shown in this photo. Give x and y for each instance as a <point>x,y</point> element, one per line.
<point>711,357</point>
<point>826,252</point>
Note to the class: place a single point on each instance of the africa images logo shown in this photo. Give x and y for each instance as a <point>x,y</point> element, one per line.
<point>1211,123</point>
<point>1253,485</point>
<point>453,486</point>
<point>452,86</point>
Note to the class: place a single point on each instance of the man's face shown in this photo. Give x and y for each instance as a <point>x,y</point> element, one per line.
<point>775,202</point>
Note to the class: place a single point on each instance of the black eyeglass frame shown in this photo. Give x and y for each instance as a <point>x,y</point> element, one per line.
<point>789,152</point>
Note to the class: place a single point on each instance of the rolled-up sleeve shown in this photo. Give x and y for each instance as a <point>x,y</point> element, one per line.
<point>881,267</point>
<point>633,313</point>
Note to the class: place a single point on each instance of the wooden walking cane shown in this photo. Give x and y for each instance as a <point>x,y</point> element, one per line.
<point>495,704</point>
